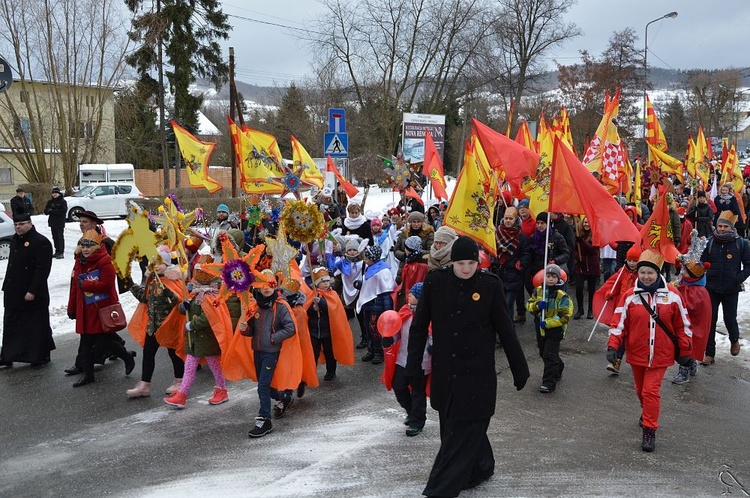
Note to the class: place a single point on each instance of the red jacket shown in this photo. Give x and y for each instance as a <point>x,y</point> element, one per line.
<point>86,315</point>
<point>647,345</point>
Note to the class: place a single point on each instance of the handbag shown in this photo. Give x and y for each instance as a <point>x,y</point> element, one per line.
<point>112,318</point>
<point>663,326</point>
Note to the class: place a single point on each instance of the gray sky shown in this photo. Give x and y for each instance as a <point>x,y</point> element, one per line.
<point>709,35</point>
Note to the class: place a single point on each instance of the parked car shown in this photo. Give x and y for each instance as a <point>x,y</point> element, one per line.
<point>6,233</point>
<point>107,200</point>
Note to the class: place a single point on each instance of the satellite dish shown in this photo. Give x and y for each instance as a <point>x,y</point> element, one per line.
<point>6,75</point>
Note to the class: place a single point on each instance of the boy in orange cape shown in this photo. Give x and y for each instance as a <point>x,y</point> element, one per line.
<point>156,321</point>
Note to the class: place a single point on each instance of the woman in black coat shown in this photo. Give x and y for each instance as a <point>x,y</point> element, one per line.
<point>467,311</point>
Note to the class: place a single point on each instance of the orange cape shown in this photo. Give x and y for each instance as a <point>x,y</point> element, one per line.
<point>171,333</point>
<point>341,332</point>
<point>239,363</point>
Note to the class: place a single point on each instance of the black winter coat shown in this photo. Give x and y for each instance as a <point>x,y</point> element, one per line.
<point>702,216</point>
<point>730,264</point>
<point>57,210</point>
<point>317,320</point>
<point>467,315</point>
<point>19,203</point>
<point>513,278</point>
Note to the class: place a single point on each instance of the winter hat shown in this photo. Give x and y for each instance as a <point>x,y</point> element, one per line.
<point>351,243</point>
<point>415,216</point>
<point>326,192</point>
<point>727,217</point>
<point>21,215</point>
<point>543,216</point>
<point>681,212</point>
<point>523,203</point>
<point>416,290</point>
<point>651,259</point>
<point>701,193</point>
<point>634,253</point>
<point>56,190</point>
<point>373,252</point>
<point>90,238</point>
<point>554,270</point>
<point>319,275</point>
<point>222,208</point>
<point>445,234</point>
<point>413,243</point>
<point>376,222</point>
<point>19,190</point>
<point>238,237</point>
<point>464,248</point>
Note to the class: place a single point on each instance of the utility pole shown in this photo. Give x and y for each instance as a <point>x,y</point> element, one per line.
<point>233,104</point>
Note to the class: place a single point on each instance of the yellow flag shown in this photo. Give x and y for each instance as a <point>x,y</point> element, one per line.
<point>636,192</point>
<point>731,171</point>
<point>537,188</point>
<point>654,133</point>
<point>304,166</point>
<point>261,165</point>
<point>690,158</point>
<point>196,155</point>
<point>471,208</point>
<point>664,161</point>
<point>699,155</point>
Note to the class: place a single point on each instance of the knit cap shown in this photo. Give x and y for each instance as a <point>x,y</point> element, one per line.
<point>415,216</point>
<point>413,243</point>
<point>523,203</point>
<point>373,252</point>
<point>376,222</point>
<point>445,234</point>
<point>222,208</point>
<point>543,216</point>
<point>634,253</point>
<point>416,290</point>
<point>554,270</point>
<point>464,248</point>
<point>351,243</point>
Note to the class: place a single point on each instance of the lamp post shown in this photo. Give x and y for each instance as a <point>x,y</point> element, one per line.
<point>671,15</point>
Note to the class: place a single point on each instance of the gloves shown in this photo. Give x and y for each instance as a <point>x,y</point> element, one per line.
<point>388,342</point>
<point>187,327</point>
<point>542,325</point>
<point>520,383</point>
<point>72,316</point>
<point>184,305</point>
<point>542,305</point>
<point>611,356</point>
<point>684,361</point>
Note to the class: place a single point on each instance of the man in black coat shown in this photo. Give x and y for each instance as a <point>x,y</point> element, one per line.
<point>27,335</point>
<point>20,203</point>
<point>56,210</point>
<point>467,311</point>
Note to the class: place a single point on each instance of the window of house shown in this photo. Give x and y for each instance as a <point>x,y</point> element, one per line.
<point>24,96</point>
<point>21,128</point>
<point>6,176</point>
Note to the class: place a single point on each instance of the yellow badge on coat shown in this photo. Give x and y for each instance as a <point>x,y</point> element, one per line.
<point>26,244</point>
<point>475,296</point>
<point>729,256</point>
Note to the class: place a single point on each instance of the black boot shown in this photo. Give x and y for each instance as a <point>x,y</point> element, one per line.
<point>83,380</point>
<point>129,363</point>
<point>578,315</point>
<point>74,370</point>
<point>362,344</point>
<point>590,315</point>
<point>649,439</point>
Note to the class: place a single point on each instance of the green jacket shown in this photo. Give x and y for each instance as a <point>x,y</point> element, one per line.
<point>200,339</point>
<point>559,308</point>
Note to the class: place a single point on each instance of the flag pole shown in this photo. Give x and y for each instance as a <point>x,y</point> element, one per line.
<point>598,318</point>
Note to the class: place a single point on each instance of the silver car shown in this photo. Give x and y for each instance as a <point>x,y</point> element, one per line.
<point>107,200</point>
<point>6,233</point>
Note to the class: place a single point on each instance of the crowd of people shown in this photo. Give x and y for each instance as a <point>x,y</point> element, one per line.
<point>455,306</point>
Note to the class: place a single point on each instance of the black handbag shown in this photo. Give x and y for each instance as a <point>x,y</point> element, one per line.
<point>664,327</point>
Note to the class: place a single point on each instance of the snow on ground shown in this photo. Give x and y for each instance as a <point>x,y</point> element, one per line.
<point>376,203</point>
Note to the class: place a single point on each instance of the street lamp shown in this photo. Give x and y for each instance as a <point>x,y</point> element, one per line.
<point>671,15</point>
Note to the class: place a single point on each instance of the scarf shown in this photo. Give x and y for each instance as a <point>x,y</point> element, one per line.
<point>725,237</point>
<point>537,241</point>
<point>439,258</point>
<point>640,287</point>
<point>508,240</point>
<point>374,268</point>
<point>201,290</point>
<point>725,198</point>
<point>263,301</point>
<point>354,223</point>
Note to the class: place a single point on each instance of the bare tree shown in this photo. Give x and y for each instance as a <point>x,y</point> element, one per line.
<point>712,99</point>
<point>69,55</point>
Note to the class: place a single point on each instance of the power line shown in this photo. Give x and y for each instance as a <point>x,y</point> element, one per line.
<point>278,25</point>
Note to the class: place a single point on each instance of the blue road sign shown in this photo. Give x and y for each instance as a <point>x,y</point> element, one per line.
<point>336,144</point>
<point>336,120</point>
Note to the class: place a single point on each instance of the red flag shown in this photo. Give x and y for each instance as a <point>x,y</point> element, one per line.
<point>410,192</point>
<point>710,149</point>
<point>506,155</point>
<point>350,189</point>
<point>433,167</point>
<point>574,190</point>
<point>657,231</point>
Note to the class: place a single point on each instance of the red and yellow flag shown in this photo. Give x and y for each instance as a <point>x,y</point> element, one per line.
<point>574,190</point>
<point>471,209</point>
<point>702,169</point>
<point>350,189</point>
<point>654,133</point>
<point>433,167</point>
<point>309,174</point>
<point>731,172</point>
<point>504,154</point>
<point>523,137</point>
<point>196,155</point>
<point>664,161</point>
<point>690,158</point>
<point>604,153</point>
<point>657,231</point>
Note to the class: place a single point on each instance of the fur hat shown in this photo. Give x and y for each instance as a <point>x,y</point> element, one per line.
<point>319,275</point>
<point>413,243</point>
<point>464,248</point>
<point>651,259</point>
<point>415,216</point>
<point>416,290</point>
<point>727,217</point>
<point>373,252</point>
<point>90,238</point>
<point>445,234</point>
<point>326,192</point>
<point>634,253</point>
<point>238,237</point>
<point>554,270</point>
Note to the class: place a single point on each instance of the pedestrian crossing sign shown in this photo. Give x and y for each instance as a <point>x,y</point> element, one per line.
<point>336,144</point>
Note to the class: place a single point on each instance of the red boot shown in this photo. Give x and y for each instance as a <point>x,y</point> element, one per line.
<point>177,400</point>
<point>220,396</point>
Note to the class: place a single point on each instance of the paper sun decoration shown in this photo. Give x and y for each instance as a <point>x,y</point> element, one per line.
<point>136,241</point>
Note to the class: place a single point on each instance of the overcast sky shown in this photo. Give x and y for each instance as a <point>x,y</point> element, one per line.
<point>706,34</point>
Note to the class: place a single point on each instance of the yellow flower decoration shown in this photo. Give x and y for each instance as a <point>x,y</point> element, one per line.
<point>303,222</point>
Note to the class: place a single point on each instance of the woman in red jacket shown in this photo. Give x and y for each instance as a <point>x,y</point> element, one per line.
<point>651,348</point>
<point>92,287</point>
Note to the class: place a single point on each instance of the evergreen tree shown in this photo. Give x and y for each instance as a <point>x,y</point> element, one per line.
<point>292,119</point>
<point>136,129</point>
<point>674,123</point>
